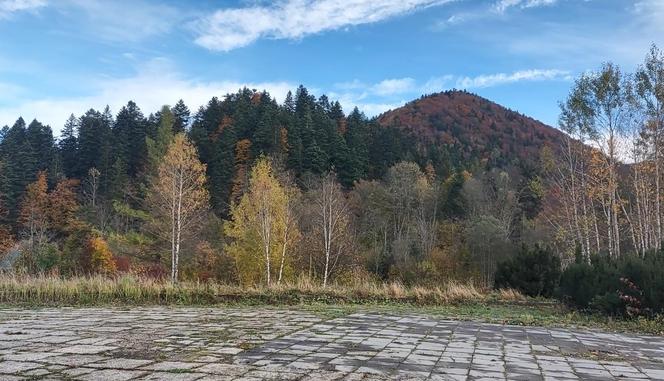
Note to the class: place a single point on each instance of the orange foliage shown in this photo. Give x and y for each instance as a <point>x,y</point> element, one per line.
<point>226,121</point>
<point>63,205</point>
<point>283,140</point>
<point>6,240</point>
<point>241,179</point>
<point>101,258</point>
<point>474,125</point>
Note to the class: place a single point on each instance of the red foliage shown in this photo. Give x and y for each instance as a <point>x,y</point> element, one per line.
<point>476,126</point>
<point>123,264</point>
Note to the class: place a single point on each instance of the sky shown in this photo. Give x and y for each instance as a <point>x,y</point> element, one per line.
<point>59,57</point>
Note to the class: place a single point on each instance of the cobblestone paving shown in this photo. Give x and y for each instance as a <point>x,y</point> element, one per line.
<point>277,344</point>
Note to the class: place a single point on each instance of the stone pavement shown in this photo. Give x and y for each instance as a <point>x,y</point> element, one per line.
<point>161,343</point>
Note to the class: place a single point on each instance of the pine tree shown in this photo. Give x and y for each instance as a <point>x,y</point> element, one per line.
<point>68,148</point>
<point>94,142</point>
<point>20,165</point>
<point>41,142</point>
<point>157,146</point>
<point>181,115</point>
<point>130,131</point>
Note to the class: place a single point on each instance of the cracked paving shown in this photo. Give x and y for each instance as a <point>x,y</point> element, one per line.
<point>252,343</point>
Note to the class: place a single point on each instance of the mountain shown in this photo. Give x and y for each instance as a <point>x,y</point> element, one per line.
<point>473,128</point>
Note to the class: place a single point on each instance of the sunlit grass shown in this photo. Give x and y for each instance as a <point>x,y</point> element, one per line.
<point>99,290</point>
<point>450,300</point>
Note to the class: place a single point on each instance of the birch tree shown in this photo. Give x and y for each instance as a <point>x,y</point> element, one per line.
<point>649,85</point>
<point>178,197</point>
<point>599,106</point>
<point>262,227</point>
<point>331,221</point>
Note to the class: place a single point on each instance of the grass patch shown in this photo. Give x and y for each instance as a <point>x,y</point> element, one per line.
<point>452,301</point>
<point>524,314</point>
<point>129,290</point>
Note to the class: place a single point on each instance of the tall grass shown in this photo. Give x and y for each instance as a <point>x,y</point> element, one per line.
<point>132,290</point>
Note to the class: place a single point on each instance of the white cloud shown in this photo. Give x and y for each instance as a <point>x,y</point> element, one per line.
<point>374,99</point>
<point>393,86</point>
<point>8,7</point>
<point>503,5</point>
<point>350,100</point>
<point>436,84</point>
<point>228,29</point>
<point>155,84</point>
<point>491,80</point>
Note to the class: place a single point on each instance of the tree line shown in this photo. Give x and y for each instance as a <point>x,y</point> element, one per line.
<point>252,191</point>
<point>605,190</point>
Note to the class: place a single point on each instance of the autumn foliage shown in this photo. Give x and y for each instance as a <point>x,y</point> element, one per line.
<point>101,258</point>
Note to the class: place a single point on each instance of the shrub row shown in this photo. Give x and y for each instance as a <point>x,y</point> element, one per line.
<point>628,286</point>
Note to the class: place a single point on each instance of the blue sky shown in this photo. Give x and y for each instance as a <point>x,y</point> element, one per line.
<point>65,56</point>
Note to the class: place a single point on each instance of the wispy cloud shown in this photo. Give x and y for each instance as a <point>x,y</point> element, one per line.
<point>491,80</point>
<point>8,7</point>
<point>503,5</point>
<point>489,11</point>
<point>388,94</point>
<point>228,29</point>
<point>393,86</point>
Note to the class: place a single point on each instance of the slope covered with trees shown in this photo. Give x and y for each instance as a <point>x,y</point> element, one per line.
<point>311,190</point>
<point>253,191</point>
<point>474,128</point>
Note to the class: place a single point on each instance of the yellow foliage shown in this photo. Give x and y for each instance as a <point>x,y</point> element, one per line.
<point>262,228</point>
<point>101,258</point>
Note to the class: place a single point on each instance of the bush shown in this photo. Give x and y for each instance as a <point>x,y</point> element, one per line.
<point>534,272</point>
<point>101,258</point>
<point>48,258</point>
<point>628,286</point>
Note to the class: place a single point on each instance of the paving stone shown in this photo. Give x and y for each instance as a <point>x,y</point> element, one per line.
<point>169,376</point>
<point>155,343</point>
<point>83,349</point>
<point>120,363</point>
<point>9,367</point>
<point>111,375</point>
<point>171,365</point>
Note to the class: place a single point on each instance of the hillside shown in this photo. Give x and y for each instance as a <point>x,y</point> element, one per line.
<point>473,126</point>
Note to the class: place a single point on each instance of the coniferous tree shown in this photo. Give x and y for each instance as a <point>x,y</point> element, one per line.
<point>20,165</point>
<point>130,131</point>
<point>181,116</point>
<point>41,142</point>
<point>68,147</point>
<point>94,144</point>
<point>157,146</point>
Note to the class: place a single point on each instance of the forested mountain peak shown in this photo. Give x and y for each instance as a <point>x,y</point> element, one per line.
<point>475,126</point>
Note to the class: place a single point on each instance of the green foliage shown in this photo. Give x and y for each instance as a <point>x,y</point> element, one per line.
<point>631,285</point>
<point>48,258</point>
<point>534,272</point>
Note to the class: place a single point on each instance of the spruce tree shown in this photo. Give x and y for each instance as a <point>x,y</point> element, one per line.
<point>181,115</point>
<point>68,148</point>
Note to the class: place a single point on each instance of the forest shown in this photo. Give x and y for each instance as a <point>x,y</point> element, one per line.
<point>252,190</point>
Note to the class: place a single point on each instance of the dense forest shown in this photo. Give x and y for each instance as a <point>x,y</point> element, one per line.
<point>250,190</point>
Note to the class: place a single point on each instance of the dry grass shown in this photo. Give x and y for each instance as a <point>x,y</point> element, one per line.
<point>47,290</point>
<point>510,294</point>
